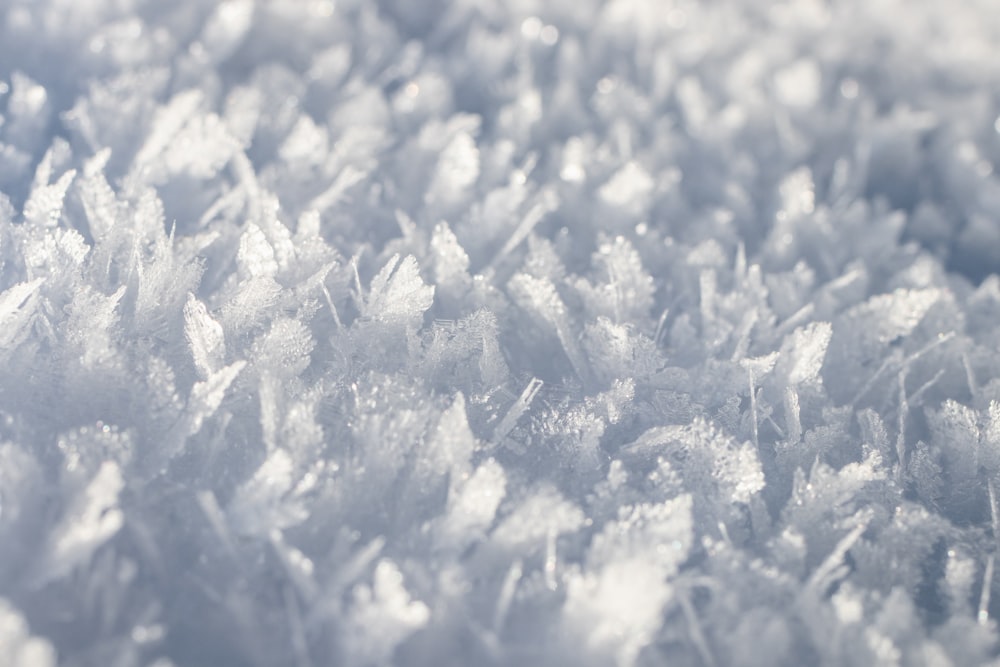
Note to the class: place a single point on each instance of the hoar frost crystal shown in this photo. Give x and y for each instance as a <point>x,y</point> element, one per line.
<point>603,332</point>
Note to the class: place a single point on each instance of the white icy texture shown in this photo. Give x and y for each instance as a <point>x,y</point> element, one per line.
<point>483,332</point>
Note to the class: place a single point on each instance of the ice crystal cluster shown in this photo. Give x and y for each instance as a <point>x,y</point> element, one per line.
<point>499,332</point>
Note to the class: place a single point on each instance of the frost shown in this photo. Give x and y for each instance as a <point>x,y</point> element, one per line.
<point>451,263</point>
<point>207,395</point>
<point>866,332</point>
<point>249,304</point>
<point>472,505</point>
<point>16,306</point>
<point>45,205</point>
<point>17,645</point>
<point>381,617</point>
<point>598,333</point>
<point>457,170</point>
<point>205,336</point>
<point>625,290</point>
<point>242,112</point>
<point>92,519</point>
<point>629,188</point>
<point>803,352</point>
<point>540,298</point>
<point>798,191</point>
<point>615,609</point>
<point>306,143</point>
<point>661,533</point>
<point>264,503</point>
<point>453,442</point>
<point>955,433</point>
<point>617,350</point>
<point>92,317</point>
<point>617,612</point>
<point>899,312</point>
<point>167,124</point>
<point>544,512</point>
<point>469,349</point>
<point>397,293</point>
<point>517,410</point>
<point>284,350</point>
<point>256,255</point>
<point>706,456</point>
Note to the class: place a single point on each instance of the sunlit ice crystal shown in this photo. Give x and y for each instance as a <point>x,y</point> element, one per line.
<point>621,332</point>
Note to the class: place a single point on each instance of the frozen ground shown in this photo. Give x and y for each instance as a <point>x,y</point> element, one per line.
<point>499,332</point>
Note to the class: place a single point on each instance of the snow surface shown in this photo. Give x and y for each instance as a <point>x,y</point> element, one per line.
<point>499,332</point>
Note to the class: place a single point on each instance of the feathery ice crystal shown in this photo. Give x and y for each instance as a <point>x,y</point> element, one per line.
<point>595,332</point>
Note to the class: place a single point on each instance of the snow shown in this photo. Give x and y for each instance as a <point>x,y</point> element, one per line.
<point>592,332</point>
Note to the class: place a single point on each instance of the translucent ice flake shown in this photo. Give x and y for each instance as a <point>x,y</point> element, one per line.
<point>450,448</point>
<point>256,255</point>
<point>803,351</point>
<point>205,337</point>
<point>184,141</point>
<point>472,505</point>
<point>464,353</point>
<point>91,326</point>
<point>706,455</point>
<point>284,350</point>
<point>576,435</point>
<point>250,304</point>
<point>397,293</point>
<point>206,396</point>
<point>619,351</point>
<point>623,290</point>
<point>955,433</point>
<point>826,494</point>
<point>451,263</point>
<point>861,347</point>
<point>100,203</point>
<point>902,310</point>
<point>17,305</point>
<point>167,124</point>
<point>516,410</point>
<point>539,297</point>
<point>45,206</point>
<point>546,202</point>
